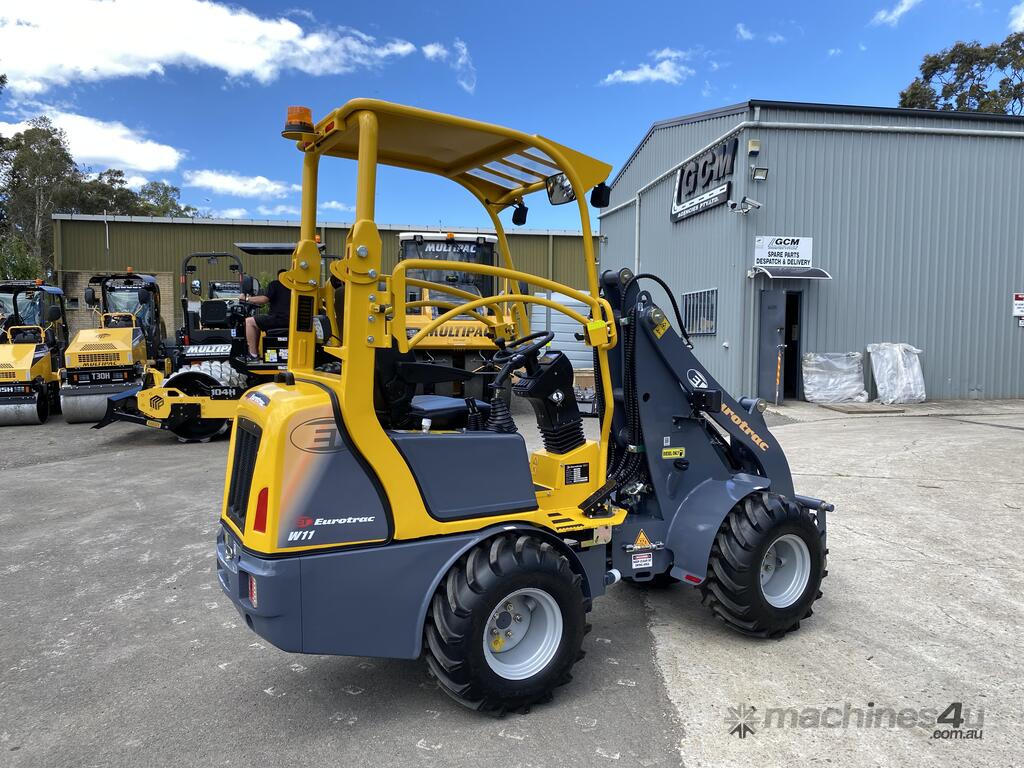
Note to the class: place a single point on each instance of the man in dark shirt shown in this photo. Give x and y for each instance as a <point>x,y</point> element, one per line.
<point>279,298</point>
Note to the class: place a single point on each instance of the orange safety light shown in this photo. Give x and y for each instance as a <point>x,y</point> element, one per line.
<point>299,119</point>
<point>129,270</point>
<point>39,281</point>
<point>450,235</point>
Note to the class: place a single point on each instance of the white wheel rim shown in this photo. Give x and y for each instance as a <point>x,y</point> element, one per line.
<point>785,571</point>
<point>522,634</point>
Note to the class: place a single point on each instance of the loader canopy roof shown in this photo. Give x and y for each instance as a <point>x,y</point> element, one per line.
<point>498,163</point>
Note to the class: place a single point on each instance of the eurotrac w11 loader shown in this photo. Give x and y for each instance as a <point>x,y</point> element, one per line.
<point>351,524</point>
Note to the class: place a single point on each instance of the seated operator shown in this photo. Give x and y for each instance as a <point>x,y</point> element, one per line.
<point>279,299</point>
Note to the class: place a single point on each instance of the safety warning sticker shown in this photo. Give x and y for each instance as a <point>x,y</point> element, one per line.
<point>643,560</point>
<point>642,542</point>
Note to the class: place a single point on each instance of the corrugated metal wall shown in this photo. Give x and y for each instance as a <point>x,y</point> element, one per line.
<point>922,234</point>
<point>158,246</point>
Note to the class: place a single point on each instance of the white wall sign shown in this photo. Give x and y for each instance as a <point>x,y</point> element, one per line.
<point>783,251</point>
<point>1018,305</point>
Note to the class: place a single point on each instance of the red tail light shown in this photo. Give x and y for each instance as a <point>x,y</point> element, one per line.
<point>259,522</point>
<point>252,591</point>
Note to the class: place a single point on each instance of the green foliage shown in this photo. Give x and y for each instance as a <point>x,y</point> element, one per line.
<point>162,199</point>
<point>16,263</point>
<point>37,173</point>
<point>970,77</point>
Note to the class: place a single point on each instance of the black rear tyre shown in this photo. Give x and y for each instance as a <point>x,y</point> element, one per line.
<point>470,606</point>
<point>762,536</point>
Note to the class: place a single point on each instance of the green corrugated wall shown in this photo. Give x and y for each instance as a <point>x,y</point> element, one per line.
<point>160,245</point>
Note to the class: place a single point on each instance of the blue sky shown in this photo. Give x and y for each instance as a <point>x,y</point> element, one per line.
<point>195,92</point>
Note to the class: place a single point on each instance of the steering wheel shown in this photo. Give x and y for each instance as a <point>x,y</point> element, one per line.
<point>518,353</point>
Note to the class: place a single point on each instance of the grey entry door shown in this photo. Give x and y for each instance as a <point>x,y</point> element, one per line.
<point>771,335</point>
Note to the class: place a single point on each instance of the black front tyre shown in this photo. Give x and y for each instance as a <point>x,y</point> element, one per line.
<point>766,566</point>
<point>506,625</point>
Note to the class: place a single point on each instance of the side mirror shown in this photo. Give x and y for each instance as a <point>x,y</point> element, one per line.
<point>53,314</point>
<point>601,196</point>
<point>233,267</point>
<point>144,297</point>
<point>196,287</point>
<point>248,285</point>
<point>560,189</point>
<point>90,297</point>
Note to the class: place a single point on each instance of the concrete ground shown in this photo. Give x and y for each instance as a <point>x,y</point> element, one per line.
<point>117,648</point>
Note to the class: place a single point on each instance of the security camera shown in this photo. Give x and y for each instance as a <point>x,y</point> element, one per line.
<point>749,202</point>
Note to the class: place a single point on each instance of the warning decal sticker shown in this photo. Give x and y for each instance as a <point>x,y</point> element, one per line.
<point>642,542</point>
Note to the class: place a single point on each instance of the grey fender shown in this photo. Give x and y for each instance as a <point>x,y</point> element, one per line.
<point>696,522</point>
<point>589,563</point>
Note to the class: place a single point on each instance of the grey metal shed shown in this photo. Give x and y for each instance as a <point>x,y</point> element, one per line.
<point>916,216</point>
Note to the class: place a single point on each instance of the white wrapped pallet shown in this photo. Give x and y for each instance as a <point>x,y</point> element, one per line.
<point>834,377</point>
<point>897,371</point>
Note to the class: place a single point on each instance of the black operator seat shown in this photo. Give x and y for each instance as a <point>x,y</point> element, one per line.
<point>396,376</point>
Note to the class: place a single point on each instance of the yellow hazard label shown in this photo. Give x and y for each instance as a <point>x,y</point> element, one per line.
<point>151,423</point>
<point>673,453</point>
<point>642,542</point>
<point>660,328</point>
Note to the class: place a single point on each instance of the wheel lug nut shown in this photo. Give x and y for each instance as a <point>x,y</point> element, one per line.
<point>518,617</point>
<point>508,633</point>
<point>494,632</point>
<point>508,606</point>
<point>495,617</point>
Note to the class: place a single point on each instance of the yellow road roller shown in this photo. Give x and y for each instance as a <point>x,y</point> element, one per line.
<point>33,333</point>
<point>112,358</point>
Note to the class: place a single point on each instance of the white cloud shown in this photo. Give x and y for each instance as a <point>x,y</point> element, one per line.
<point>236,185</point>
<point>277,210</point>
<point>1017,18</point>
<point>463,66</point>
<point>743,33</point>
<point>835,51</point>
<point>435,52</point>
<point>671,53</point>
<point>706,90</point>
<point>893,15</point>
<point>97,142</point>
<point>775,38</point>
<point>54,43</point>
<point>714,66</point>
<point>861,47</point>
<point>666,70</point>
<point>136,182</point>
<point>230,213</point>
<point>458,58</point>
<point>336,205</point>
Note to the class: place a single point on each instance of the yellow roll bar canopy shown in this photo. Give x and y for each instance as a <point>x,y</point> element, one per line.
<point>499,165</point>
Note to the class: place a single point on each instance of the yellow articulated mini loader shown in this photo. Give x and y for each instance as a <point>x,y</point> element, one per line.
<point>112,358</point>
<point>355,521</point>
<point>33,334</point>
